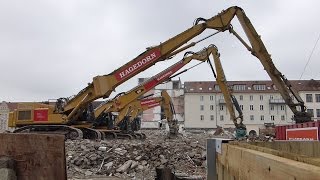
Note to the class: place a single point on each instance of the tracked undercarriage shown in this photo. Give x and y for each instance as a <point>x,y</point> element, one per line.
<point>87,131</point>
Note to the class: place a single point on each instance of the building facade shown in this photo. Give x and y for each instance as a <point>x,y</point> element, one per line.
<point>260,102</point>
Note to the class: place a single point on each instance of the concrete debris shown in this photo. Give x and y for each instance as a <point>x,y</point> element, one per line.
<point>102,148</point>
<point>137,159</point>
<point>108,165</point>
<point>125,166</point>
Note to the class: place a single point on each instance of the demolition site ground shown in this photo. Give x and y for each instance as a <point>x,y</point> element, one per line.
<point>138,159</point>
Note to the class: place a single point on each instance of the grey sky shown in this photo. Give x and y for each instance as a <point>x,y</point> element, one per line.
<point>52,49</point>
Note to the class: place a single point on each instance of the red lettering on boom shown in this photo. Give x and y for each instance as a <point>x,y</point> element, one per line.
<point>163,76</point>
<point>147,101</point>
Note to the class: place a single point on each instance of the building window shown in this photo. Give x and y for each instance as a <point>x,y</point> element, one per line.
<point>282,117</point>
<point>261,97</point>
<point>272,118</point>
<point>239,87</point>
<point>211,107</point>
<point>175,85</point>
<point>216,87</point>
<point>211,98</point>
<point>251,107</point>
<point>251,98</point>
<point>272,107</point>
<point>241,97</point>
<point>318,112</point>
<point>211,117</point>
<point>221,107</point>
<point>317,97</point>
<point>201,107</point>
<point>201,98</point>
<point>282,107</point>
<point>310,111</point>
<point>262,117</point>
<point>261,107</point>
<point>259,87</point>
<point>308,97</point>
<point>271,96</point>
<point>201,117</point>
<point>241,107</point>
<point>251,117</point>
<point>221,118</point>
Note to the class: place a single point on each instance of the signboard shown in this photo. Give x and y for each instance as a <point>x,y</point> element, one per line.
<point>303,134</point>
<point>40,115</point>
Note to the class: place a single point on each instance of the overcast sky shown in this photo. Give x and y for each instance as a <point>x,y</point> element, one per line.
<point>52,49</point>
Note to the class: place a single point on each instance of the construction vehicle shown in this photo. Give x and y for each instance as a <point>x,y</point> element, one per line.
<point>132,122</point>
<point>230,99</point>
<point>121,103</point>
<point>69,111</point>
<point>130,105</point>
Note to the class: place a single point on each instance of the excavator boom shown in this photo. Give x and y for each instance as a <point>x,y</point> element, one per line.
<point>121,103</point>
<point>229,98</point>
<point>70,111</point>
<point>138,106</point>
<point>102,86</point>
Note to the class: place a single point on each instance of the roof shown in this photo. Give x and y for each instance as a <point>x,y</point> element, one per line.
<point>249,86</point>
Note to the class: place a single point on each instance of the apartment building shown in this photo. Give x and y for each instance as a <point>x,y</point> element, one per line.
<point>259,100</point>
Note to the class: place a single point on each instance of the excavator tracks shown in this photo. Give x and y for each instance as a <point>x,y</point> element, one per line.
<point>68,131</point>
<point>74,133</point>
<point>93,134</point>
<point>118,134</point>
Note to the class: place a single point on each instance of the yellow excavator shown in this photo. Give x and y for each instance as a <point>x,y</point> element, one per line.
<point>122,103</point>
<point>67,114</point>
<point>131,106</point>
<point>139,106</point>
<point>230,99</point>
<point>132,122</point>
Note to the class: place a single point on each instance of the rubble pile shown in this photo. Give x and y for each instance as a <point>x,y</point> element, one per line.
<point>137,158</point>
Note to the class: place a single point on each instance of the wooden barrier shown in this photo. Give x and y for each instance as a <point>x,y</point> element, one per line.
<point>37,156</point>
<point>248,161</point>
<point>307,148</point>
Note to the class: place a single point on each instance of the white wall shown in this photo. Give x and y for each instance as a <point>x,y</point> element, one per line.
<point>193,112</point>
